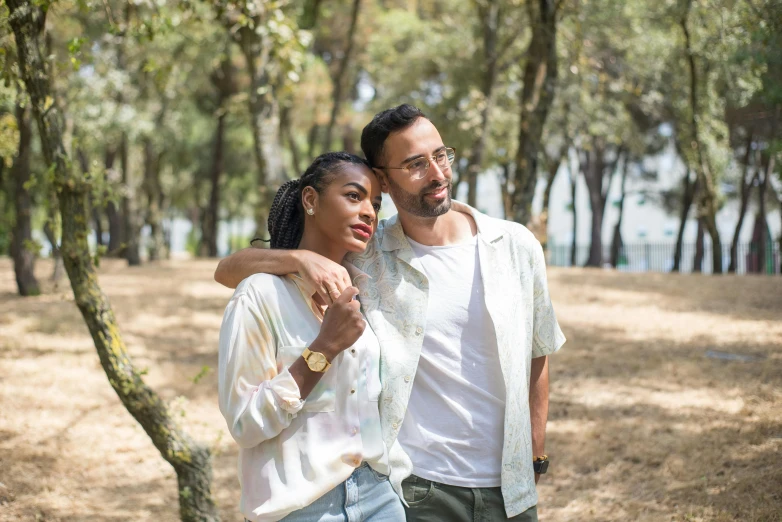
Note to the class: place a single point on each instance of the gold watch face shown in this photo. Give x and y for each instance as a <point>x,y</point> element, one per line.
<point>317,362</point>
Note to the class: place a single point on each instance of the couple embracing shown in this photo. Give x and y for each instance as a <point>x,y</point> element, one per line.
<point>394,370</point>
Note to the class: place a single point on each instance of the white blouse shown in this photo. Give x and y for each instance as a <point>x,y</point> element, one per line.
<point>292,452</point>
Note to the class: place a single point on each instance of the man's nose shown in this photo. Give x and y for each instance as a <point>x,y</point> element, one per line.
<point>436,173</point>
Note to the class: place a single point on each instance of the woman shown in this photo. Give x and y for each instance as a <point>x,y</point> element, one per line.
<point>299,377</point>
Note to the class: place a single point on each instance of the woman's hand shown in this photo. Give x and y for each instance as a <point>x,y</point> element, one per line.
<point>342,325</point>
<point>327,278</point>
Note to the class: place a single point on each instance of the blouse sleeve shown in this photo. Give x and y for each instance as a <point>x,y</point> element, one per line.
<point>257,401</point>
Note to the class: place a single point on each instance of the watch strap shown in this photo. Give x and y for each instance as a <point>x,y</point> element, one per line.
<point>307,355</point>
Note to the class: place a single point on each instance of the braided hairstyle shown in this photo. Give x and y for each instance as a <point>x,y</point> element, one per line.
<point>286,216</point>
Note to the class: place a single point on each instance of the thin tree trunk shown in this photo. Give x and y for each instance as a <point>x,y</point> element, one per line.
<point>286,133</point>
<point>95,210</point>
<point>22,233</point>
<point>59,267</point>
<point>489,14</point>
<point>130,249</point>
<point>339,79</point>
<point>762,190</point>
<point>112,212</point>
<point>154,194</point>
<point>707,199</point>
<point>697,262</point>
<point>573,175</point>
<point>616,240</point>
<point>191,462</point>
<point>745,192</point>
<point>537,95</point>
<point>210,217</point>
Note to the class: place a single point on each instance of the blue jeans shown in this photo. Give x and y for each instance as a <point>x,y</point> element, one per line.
<point>366,496</point>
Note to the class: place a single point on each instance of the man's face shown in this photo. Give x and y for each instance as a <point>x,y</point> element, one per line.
<point>427,194</point>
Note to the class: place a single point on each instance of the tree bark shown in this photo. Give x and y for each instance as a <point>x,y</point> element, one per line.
<point>59,267</point>
<point>22,233</point>
<point>84,162</point>
<point>745,190</point>
<point>286,132</point>
<point>339,78</point>
<point>112,212</point>
<point>595,171</point>
<point>689,192</point>
<point>537,95</point>
<point>211,216</point>
<point>190,461</point>
<point>763,238</point>
<point>616,240</point>
<point>707,194</point>
<point>154,193</point>
<point>489,15</point>
<point>573,175</point>
<point>697,262</point>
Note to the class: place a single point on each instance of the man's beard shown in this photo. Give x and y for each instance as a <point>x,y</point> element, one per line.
<point>417,204</point>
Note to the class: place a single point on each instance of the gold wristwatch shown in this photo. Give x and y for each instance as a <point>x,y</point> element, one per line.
<point>316,361</point>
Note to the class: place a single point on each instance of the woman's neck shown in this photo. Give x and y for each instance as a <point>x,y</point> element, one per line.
<point>321,245</point>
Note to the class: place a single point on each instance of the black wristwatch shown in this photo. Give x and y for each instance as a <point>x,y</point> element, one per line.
<point>540,464</point>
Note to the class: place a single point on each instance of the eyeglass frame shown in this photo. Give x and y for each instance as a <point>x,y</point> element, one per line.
<point>428,162</point>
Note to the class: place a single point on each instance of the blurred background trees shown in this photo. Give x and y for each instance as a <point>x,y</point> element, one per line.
<point>186,116</point>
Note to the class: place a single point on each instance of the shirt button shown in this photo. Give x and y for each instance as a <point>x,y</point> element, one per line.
<point>407,378</point>
<point>353,391</point>
<point>354,431</point>
<point>419,331</point>
<point>394,425</point>
<point>353,351</point>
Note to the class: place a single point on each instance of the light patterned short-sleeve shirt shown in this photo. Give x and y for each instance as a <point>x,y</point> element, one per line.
<point>394,294</point>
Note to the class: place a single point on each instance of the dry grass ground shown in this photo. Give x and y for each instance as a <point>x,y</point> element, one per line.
<point>643,425</point>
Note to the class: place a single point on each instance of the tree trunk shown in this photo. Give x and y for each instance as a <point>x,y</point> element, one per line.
<point>688,197</point>
<point>264,119</point>
<point>286,133</point>
<point>697,262</point>
<point>154,194</point>
<point>489,15</point>
<point>130,231</point>
<point>190,461</point>
<point>540,75</point>
<point>339,78</point>
<point>112,212</point>
<point>95,210</point>
<point>616,240</point>
<point>211,216</point>
<point>573,174</point>
<point>707,198</point>
<point>59,267</point>
<point>745,191</point>
<point>22,233</point>
<point>762,190</point>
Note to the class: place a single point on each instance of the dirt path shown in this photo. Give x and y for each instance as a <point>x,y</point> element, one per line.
<point>646,424</point>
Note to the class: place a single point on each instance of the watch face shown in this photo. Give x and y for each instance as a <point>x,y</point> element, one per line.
<point>317,362</point>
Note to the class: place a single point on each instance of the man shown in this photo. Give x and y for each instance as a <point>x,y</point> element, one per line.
<point>459,302</point>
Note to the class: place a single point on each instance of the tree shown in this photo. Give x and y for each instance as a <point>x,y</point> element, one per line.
<point>537,94</point>
<point>191,461</point>
<point>22,249</point>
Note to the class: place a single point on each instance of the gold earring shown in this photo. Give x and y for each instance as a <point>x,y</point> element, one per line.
<point>310,212</point>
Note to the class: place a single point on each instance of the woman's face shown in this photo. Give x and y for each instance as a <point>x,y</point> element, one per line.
<point>345,212</point>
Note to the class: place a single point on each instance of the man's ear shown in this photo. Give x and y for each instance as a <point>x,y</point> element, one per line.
<point>309,199</point>
<point>381,177</point>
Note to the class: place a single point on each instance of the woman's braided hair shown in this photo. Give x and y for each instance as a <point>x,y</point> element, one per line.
<point>286,216</point>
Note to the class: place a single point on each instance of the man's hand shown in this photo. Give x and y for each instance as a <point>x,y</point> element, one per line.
<point>327,278</point>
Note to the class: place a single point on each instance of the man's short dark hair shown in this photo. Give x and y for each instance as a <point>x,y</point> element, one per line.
<point>375,134</point>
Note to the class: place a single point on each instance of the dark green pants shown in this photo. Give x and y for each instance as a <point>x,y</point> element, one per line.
<point>434,502</point>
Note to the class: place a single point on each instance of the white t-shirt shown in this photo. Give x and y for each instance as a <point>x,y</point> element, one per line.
<point>453,428</point>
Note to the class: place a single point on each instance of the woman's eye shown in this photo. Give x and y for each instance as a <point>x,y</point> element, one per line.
<point>354,195</point>
<point>377,208</point>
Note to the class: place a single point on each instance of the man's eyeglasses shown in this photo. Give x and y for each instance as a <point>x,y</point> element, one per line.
<point>418,167</point>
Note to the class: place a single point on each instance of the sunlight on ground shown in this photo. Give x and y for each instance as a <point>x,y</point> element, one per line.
<point>644,425</point>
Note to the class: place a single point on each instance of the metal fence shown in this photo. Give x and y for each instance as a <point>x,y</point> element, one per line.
<point>658,257</point>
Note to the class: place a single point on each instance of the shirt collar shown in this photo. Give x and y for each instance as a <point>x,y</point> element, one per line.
<point>489,230</point>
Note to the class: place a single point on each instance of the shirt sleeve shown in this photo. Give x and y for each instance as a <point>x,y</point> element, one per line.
<point>547,336</point>
<point>257,401</point>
